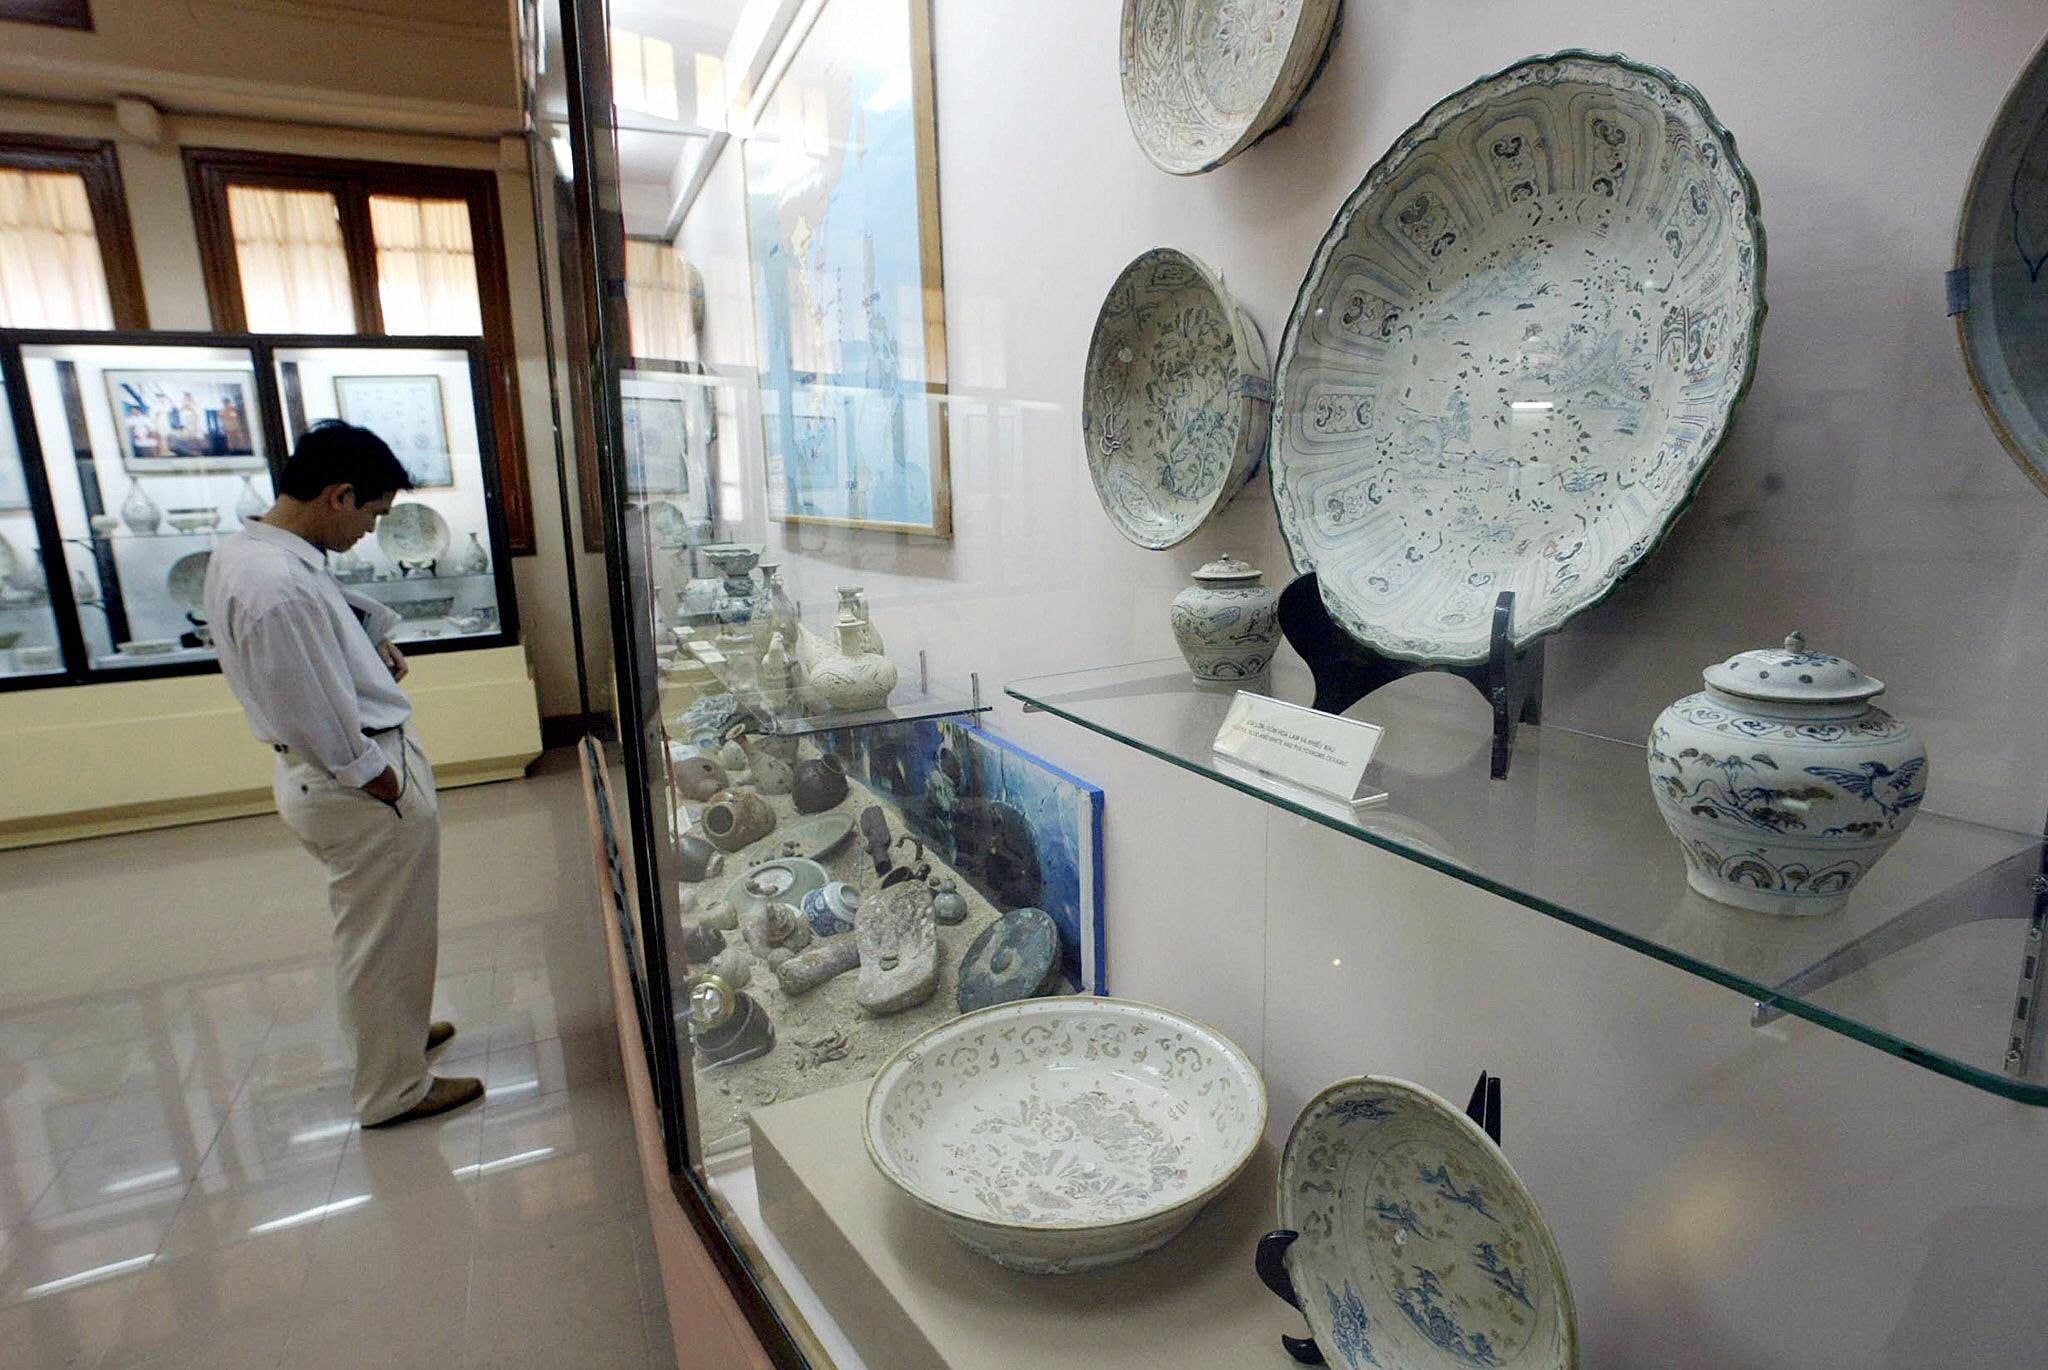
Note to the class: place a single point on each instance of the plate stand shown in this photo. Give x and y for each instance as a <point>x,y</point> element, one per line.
<point>1271,1258</point>
<point>1346,670</point>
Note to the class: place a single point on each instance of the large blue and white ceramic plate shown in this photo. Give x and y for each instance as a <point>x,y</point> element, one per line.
<point>2002,258</point>
<point>1515,353</point>
<point>1420,1249</point>
<point>1174,403</point>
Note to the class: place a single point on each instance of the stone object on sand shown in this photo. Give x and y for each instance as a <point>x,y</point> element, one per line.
<point>899,947</point>
<point>1016,957</point>
<point>808,969</point>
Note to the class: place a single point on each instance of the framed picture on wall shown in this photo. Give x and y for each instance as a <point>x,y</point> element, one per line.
<point>842,216</point>
<point>170,421</point>
<point>407,412</point>
<point>657,432</point>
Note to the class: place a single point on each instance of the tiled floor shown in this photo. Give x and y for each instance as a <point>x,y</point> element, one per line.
<point>180,1180</point>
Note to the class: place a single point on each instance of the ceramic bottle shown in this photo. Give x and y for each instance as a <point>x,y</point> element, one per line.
<point>474,561</point>
<point>139,511</point>
<point>1227,623</point>
<point>1782,782</point>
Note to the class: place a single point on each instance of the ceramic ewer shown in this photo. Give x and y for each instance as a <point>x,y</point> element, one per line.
<point>1205,79</point>
<point>1515,353</point>
<point>1174,399</point>
<point>1782,782</point>
<point>413,534</point>
<point>1999,287</point>
<point>1066,1134</point>
<point>1420,1247</point>
<point>1227,623</point>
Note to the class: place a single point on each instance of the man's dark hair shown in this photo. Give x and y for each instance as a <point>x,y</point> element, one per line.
<point>337,453</point>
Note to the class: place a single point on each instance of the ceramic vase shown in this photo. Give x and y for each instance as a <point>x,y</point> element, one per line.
<point>1782,782</point>
<point>853,604</point>
<point>474,561</point>
<point>139,511</point>
<point>819,784</point>
<point>737,818</point>
<point>250,504</point>
<point>841,677</point>
<point>1227,623</point>
<point>735,607</point>
<point>774,611</point>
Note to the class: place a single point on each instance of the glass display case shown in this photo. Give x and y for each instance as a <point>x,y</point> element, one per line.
<point>28,624</point>
<point>150,448</point>
<point>1414,420</point>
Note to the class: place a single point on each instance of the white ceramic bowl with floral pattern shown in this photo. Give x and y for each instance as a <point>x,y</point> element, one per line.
<point>1515,354</point>
<point>1174,403</point>
<point>1065,1134</point>
<point>1205,79</point>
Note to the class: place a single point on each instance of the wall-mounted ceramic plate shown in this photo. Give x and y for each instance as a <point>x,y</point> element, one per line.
<point>1515,353</point>
<point>2002,261</point>
<point>1174,401</point>
<point>1420,1248</point>
<point>1205,79</point>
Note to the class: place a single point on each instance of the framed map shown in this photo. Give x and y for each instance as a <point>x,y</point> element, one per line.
<point>185,420</point>
<point>843,231</point>
<point>407,412</point>
<point>657,430</point>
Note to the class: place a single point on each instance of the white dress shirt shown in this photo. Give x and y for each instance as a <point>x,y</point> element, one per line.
<point>300,652</point>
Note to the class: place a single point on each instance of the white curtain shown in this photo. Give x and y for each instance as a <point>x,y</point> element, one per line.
<point>426,265</point>
<point>658,308</point>
<point>293,266</point>
<point>51,272</point>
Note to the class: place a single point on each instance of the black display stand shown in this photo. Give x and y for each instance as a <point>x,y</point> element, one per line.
<point>1270,1260</point>
<point>1346,670</point>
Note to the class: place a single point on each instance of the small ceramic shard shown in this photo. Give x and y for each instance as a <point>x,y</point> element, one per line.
<point>807,970</point>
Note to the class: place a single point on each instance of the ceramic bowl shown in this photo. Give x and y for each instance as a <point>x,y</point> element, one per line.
<point>785,880</point>
<point>2002,257</point>
<point>1204,79</point>
<point>433,606</point>
<point>1515,353</point>
<point>186,580</point>
<point>192,520</point>
<point>1061,1135</point>
<point>1174,399</point>
<point>1419,1246</point>
<point>413,534</point>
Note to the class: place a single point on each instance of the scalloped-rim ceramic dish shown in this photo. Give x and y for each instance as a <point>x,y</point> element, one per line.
<point>1420,1247</point>
<point>186,580</point>
<point>1174,402</point>
<point>2002,253</point>
<point>1515,354</point>
<point>1065,1134</point>
<point>413,533</point>
<point>1205,79</point>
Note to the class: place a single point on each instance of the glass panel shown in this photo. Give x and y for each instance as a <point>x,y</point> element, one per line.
<point>426,266</point>
<point>434,558</point>
<point>660,303</point>
<point>153,453</point>
<point>51,271</point>
<point>28,625</point>
<point>290,257</point>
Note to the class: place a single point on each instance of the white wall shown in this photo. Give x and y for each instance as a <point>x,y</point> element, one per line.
<point>1724,1197</point>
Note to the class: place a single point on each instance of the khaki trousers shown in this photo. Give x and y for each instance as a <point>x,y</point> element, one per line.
<point>383,885</point>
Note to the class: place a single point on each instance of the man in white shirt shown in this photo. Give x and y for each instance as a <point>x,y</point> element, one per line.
<point>315,671</point>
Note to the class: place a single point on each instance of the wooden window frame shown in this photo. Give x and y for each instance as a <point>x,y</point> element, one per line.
<point>56,14</point>
<point>210,171</point>
<point>99,166</point>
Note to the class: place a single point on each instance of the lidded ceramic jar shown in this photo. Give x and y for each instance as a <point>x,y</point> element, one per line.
<point>1782,782</point>
<point>1227,623</point>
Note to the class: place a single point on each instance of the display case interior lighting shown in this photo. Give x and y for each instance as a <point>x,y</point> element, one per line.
<point>709,90</point>
<point>644,74</point>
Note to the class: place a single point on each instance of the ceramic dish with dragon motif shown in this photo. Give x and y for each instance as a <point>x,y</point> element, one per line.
<point>1060,1135</point>
<point>1174,402</point>
<point>1420,1247</point>
<point>1515,353</point>
<point>2001,299</point>
<point>1205,79</point>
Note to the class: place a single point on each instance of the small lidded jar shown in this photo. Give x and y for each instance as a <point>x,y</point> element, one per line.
<point>1227,623</point>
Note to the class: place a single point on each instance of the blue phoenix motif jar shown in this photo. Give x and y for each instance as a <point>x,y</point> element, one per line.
<point>1227,623</point>
<point>1782,782</point>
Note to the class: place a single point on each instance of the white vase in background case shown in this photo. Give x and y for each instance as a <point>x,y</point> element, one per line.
<point>475,561</point>
<point>1782,782</point>
<point>1227,623</point>
<point>139,511</point>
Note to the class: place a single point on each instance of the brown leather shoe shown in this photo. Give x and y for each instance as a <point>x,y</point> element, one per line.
<point>438,1033</point>
<point>444,1092</point>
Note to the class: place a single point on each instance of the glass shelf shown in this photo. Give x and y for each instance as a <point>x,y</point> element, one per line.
<point>913,698</point>
<point>39,605</point>
<point>1926,961</point>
